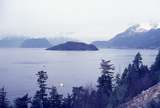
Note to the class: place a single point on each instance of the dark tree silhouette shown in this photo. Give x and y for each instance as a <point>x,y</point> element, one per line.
<point>155,68</point>
<point>77,94</point>
<point>137,60</point>
<point>105,84</point>
<point>36,101</point>
<point>3,99</point>
<point>40,99</point>
<point>22,102</point>
<point>156,65</point>
<point>105,80</point>
<point>117,79</point>
<point>67,102</point>
<point>136,78</point>
<point>83,97</point>
<point>55,100</point>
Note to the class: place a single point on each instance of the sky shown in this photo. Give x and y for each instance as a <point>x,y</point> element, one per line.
<point>85,20</point>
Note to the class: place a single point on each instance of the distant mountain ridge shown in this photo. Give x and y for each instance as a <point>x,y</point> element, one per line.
<point>8,42</point>
<point>134,37</point>
<point>36,43</point>
<point>19,41</point>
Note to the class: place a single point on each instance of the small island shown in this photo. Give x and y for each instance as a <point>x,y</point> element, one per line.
<point>74,46</point>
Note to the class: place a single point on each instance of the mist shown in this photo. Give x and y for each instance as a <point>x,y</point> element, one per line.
<point>85,20</point>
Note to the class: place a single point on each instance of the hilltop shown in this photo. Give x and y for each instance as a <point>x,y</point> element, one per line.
<point>78,46</point>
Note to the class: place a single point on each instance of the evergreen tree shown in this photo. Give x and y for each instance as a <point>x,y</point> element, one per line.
<point>156,65</point>
<point>42,78</point>
<point>77,96</point>
<point>155,68</point>
<point>22,102</point>
<point>137,60</point>
<point>135,79</point>
<point>36,101</point>
<point>117,79</point>
<point>93,99</point>
<point>120,90</point>
<point>130,81</point>
<point>3,99</point>
<point>40,99</point>
<point>55,100</point>
<point>105,80</point>
<point>125,74</point>
<point>67,102</point>
<point>105,83</point>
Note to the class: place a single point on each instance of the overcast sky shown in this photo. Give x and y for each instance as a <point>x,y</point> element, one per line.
<point>81,19</point>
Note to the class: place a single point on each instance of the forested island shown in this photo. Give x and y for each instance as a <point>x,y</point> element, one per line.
<point>74,46</point>
<point>112,91</point>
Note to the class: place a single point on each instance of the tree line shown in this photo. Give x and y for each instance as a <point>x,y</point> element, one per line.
<point>111,91</point>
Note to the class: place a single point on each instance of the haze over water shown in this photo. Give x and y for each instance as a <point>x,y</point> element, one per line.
<point>18,67</point>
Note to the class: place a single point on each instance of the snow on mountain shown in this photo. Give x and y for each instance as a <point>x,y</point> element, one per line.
<point>143,35</point>
<point>143,27</point>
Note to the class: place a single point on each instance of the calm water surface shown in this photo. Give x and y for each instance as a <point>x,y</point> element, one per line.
<point>73,68</point>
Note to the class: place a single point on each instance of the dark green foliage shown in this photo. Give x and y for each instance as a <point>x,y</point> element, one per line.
<point>137,62</point>
<point>40,99</point>
<point>156,65</point>
<point>22,102</point>
<point>55,100</point>
<point>136,78</point>
<point>133,78</point>
<point>67,102</point>
<point>104,84</point>
<point>42,78</point>
<point>105,80</point>
<point>93,99</point>
<point>77,93</point>
<point>130,80</point>
<point>3,99</point>
<point>83,98</point>
<point>117,79</point>
<point>155,68</point>
<point>36,101</point>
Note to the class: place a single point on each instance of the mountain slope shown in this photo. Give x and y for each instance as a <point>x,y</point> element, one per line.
<point>134,37</point>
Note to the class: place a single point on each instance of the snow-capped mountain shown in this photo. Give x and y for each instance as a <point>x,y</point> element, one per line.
<point>143,27</point>
<point>143,35</point>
